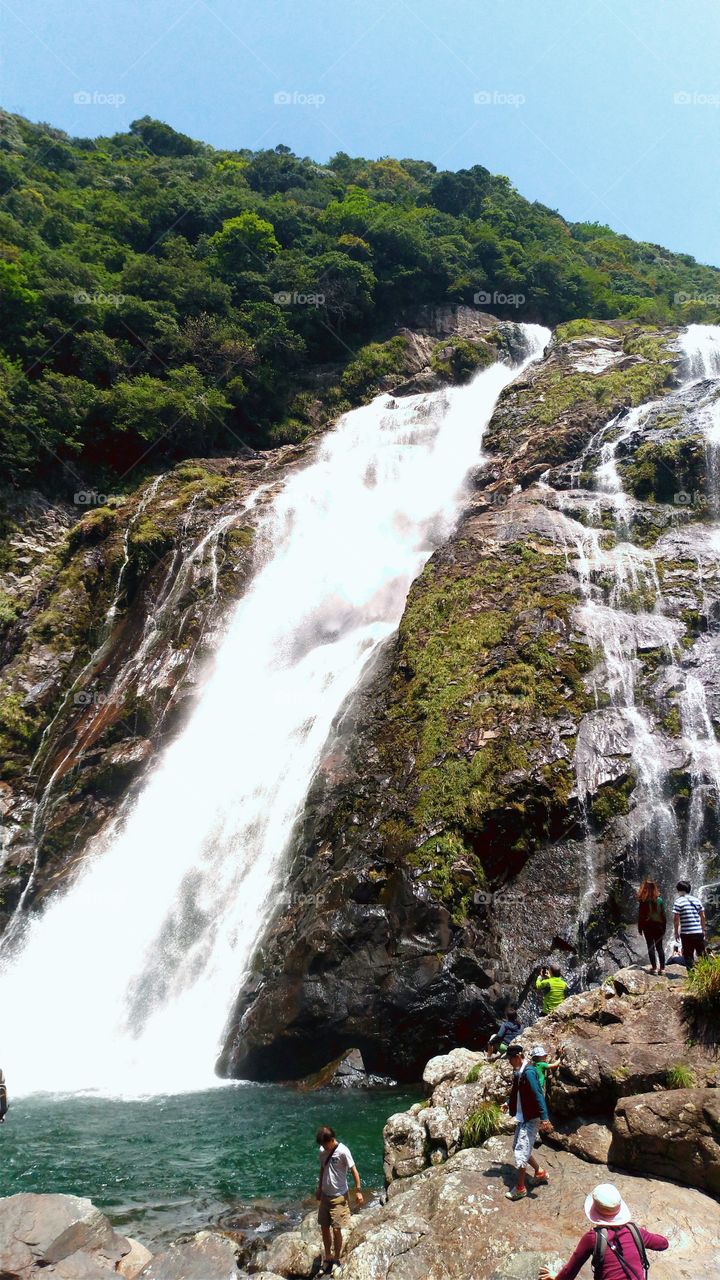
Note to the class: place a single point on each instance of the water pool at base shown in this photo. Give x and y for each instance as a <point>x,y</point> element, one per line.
<point>166,1165</point>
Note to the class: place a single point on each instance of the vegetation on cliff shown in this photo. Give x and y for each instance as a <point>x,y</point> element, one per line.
<point>162,299</point>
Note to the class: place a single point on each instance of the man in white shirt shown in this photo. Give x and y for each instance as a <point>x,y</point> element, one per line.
<point>332,1192</point>
<point>689,923</point>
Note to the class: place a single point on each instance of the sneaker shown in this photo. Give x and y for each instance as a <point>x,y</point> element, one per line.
<point>541,1176</point>
<point>515,1195</point>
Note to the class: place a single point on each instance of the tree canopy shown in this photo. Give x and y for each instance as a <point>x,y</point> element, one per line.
<point>160,298</point>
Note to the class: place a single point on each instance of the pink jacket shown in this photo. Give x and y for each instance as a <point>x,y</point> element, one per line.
<point>612,1269</point>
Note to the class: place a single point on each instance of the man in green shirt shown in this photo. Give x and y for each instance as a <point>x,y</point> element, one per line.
<point>553,988</point>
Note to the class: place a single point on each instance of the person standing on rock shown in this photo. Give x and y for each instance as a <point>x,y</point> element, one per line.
<point>652,923</point>
<point>689,923</point>
<point>332,1192</point>
<point>527,1104</point>
<point>616,1246</point>
<point>553,988</point>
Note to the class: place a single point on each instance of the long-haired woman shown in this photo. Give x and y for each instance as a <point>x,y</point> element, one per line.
<point>652,923</point>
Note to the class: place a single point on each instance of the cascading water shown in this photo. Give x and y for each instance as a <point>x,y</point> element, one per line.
<point>133,971</point>
<point>624,613</point>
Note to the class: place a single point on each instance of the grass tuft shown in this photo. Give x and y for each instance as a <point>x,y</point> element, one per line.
<point>703,984</point>
<point>680,1077</point>
<point>481,1125</point>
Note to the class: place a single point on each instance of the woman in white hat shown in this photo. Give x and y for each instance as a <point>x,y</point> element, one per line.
<point>614,1242</point>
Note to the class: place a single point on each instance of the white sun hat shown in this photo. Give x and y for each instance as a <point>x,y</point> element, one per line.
<point>537,1051</point>
<point>605,1207</point>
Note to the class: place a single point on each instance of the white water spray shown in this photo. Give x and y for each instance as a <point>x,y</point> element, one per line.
<point>125,983</point>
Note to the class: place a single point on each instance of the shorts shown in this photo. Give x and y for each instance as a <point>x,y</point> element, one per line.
<point>334,1211</point>
<point>524,1141</point>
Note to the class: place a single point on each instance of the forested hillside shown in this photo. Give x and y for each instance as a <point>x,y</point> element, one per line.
<point>161,299</point>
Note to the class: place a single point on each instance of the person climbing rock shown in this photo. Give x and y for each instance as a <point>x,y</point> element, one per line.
<point>508,1031</point>
<point>616,1246</point>
<point>652,923</point>
<point>689,923</point>
<point>553,988</point>
<point>539,1060</point>
<point>332,1192</point>
<point>527,1104</point>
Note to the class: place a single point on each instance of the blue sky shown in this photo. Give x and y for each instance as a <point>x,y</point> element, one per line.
<point>607,110</point>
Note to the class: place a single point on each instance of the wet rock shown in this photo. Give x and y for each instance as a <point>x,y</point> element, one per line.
<point>674,1134</point>
<point>130,1266</point>
<point>293,1253</point>
<point>208,1256</point>
<point>346,1072</point>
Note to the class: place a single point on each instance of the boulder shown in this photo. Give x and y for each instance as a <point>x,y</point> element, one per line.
<point>587,1139</point>
<point>404,1144</point>
<point>294,1253</point>
<point>453,1222</point>
<point>675,1134</point>
<point>614,1041</point>
<point>618,1040</point>
<point>65,1235</point>
<point>209,1256</point>
<point>453,1066</point>
<point>133,1262</point>
<point>346,1072</point>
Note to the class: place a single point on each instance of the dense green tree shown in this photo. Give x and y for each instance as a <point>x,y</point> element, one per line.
<point>159,298</point>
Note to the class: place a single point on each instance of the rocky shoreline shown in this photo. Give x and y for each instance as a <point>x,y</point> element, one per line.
<point>617,1116</point>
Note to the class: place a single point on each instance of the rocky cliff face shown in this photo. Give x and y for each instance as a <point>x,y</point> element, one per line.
<point>111,607</point>
<point>488,796</point>
<point>541,726</point>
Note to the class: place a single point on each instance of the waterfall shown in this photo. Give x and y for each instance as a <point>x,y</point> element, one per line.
<point>624,612</point>
<point>125,982</point>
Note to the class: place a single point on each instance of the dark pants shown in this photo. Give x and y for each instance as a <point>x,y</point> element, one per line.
<point>693,944</point>
<point>654,939</point>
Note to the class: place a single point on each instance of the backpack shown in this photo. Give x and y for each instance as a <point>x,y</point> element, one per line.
<point>601,1244</point>
<point>656,912</point>
<point>4,1104</point>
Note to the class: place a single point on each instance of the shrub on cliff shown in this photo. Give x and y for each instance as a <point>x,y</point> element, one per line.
<point>704,986</point>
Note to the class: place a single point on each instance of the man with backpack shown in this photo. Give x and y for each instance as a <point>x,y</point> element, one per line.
<point>527,1104</point>
<point>618,1247</point>
<point>332,1193</point>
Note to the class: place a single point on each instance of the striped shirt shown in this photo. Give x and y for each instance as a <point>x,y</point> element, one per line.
<point>688,909</point>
